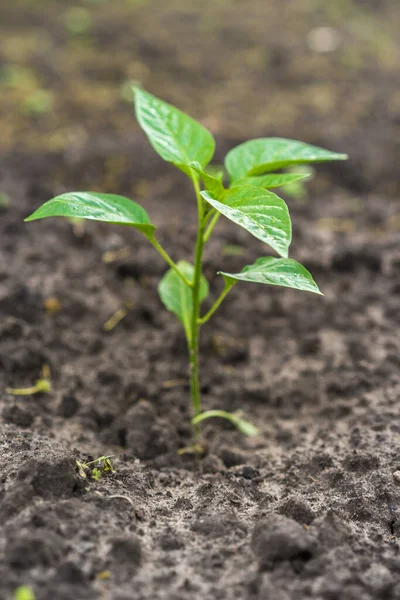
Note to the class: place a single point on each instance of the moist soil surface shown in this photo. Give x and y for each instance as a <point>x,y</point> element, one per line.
<point>308,509</point>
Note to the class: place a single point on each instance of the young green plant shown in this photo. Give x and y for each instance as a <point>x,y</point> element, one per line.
<point>254,169</point>
<point>24,592</point>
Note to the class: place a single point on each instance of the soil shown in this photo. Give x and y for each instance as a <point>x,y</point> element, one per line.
<point>310,508</point>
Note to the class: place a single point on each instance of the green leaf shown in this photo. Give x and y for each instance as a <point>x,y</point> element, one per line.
<point>217,171</point>
<point>176,137</point>
<point>276,271</point>
<point>96,474</point>
<point>108,208</point>
<point>177,296</point>
<point>260,212</point>
<point>272,180</point>
<point>263,155</point>
<point>212,184</point>
<point>236,419</point>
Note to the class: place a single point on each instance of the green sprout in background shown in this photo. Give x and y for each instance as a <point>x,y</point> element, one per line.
<point>253,168</point>
<point>24,592</point>
<point>36,100</point>
<point>4,202</point>
<point>78,21</point>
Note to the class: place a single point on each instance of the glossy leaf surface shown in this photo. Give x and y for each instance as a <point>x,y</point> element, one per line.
<point>175,136</point>
<point>94,206</point>
<point>276,271</point>
<point>212,184</point>
<point>177,296</point>
<point>260,212</point>
<point>271,180</point>
<point>263,155</point>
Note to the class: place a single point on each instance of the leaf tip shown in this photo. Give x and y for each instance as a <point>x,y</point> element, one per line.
<point>315,289</point>
<point>30,218</point>
<point>247,428</point>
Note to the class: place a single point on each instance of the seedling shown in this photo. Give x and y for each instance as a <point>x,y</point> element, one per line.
<point>253,168</point>
<point>41,386</point>
<point>96,474</point>
<point>24,592</point>
<point>97,467</point>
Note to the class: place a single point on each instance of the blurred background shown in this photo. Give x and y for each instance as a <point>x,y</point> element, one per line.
<point>323,72</point>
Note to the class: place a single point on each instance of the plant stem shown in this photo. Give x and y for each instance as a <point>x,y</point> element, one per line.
<point>211,226</point>
<point>217,303</point>
<point>41,386</point>
<point>169,260</point>
<point>98,460</point>
<point>193,341</point>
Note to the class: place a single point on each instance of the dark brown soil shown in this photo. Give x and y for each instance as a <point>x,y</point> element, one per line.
<point>309,509</point>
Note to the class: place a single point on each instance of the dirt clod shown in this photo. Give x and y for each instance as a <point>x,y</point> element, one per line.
<point>280,538</point>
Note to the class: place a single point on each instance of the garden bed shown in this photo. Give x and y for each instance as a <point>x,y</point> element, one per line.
<point>309,509</point>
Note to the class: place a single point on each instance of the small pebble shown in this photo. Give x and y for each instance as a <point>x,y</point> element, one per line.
<point>396,476</point>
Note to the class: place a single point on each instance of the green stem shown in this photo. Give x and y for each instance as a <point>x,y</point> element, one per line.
<point>41,386</point>
<point>218,302</point>
<point>23,391</point>
<point>194,339</point>
<point>100,459</point>
<point>169,260</point>
<point>211,226</point>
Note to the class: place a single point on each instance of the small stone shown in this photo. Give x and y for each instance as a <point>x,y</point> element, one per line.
<point>212,464</point>
<point>278,538</point>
